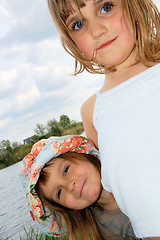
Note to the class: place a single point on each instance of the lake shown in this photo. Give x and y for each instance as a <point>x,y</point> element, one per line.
<point>14,211</point>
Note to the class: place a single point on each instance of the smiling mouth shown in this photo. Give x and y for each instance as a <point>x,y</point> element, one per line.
<point>82,188</point>
<point>108,43</point>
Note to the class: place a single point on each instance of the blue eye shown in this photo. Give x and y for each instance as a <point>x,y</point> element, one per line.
<point>66,170</point>
<point>106,8</point>
<point>59,193</point>
<point>78,25</point>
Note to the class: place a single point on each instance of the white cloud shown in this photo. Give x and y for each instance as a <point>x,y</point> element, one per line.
<point>7,80</point>
<point>5,123</point>
<point>5,107</point>
<point>25,21</point>
<point>28,99</point>
<point>36,93</point>
<point>5,20</point>
<point>157,2</point>
<point>3,11</point>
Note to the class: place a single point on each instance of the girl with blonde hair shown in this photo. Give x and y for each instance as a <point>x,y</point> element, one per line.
<point>120,39</point>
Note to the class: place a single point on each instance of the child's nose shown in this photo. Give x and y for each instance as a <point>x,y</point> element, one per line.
<point>97,28</point>
<point>71,185</point>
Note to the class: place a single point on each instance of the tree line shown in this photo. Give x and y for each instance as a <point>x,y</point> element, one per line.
<point>13,152</point>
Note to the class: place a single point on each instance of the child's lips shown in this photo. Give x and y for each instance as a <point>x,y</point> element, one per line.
<point>106,44</point>
<point>83,187</point>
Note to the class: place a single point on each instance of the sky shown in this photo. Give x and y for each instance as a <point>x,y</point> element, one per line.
<point>36,84</point>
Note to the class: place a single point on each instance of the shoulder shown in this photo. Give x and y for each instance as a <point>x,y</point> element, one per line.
<point>87,108</point>
<point>88,105</point>
<point>87,118</point>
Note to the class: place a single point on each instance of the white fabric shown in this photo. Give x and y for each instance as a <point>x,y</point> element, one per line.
<point>127,119</point>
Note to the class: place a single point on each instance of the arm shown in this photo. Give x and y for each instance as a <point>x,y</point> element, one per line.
<point>87,118</point>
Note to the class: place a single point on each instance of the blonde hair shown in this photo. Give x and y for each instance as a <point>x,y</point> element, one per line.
<point>144,19</point>
<point>80,223</point>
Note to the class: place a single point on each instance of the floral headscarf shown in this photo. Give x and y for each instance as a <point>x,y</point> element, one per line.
<point>41,153</point>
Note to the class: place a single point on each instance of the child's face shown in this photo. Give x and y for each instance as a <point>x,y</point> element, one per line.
<point>75,185</point>
<point>102,32</point>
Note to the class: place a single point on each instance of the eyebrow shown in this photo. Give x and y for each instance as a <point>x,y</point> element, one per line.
<point>75,17</point>
<point>71,19</point>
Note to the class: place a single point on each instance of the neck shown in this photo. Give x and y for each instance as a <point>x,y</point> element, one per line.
<point>113,79</point>
<point>125,70</point>
<point>107,201</point>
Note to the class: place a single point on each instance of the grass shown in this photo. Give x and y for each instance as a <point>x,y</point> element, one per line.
<point>75,130</point>
<point>36,235</point>
<point>0,237</point>
<point>2,165</point>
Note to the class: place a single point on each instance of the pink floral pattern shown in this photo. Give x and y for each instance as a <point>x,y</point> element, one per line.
<point>42,152</point>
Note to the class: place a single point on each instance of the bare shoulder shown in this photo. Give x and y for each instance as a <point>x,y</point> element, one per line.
<point>88,106</point>
<point>87,110</point>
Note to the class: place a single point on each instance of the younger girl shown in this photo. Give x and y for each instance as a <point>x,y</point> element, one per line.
<point>121,38</point>
<point>62,180</point>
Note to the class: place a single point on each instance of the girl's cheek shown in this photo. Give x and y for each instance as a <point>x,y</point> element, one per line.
<point>126,24</point>
<point>85,48</point>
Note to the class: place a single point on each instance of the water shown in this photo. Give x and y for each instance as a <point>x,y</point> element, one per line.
<point>14,211</point>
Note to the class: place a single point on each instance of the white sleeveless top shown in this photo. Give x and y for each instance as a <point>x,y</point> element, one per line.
<point>127,119</point>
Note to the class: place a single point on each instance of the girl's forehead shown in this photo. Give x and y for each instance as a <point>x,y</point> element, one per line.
<point>76,5</point>
<point>82,3</point>
<point>73,5</point>
<point>69,7</point>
